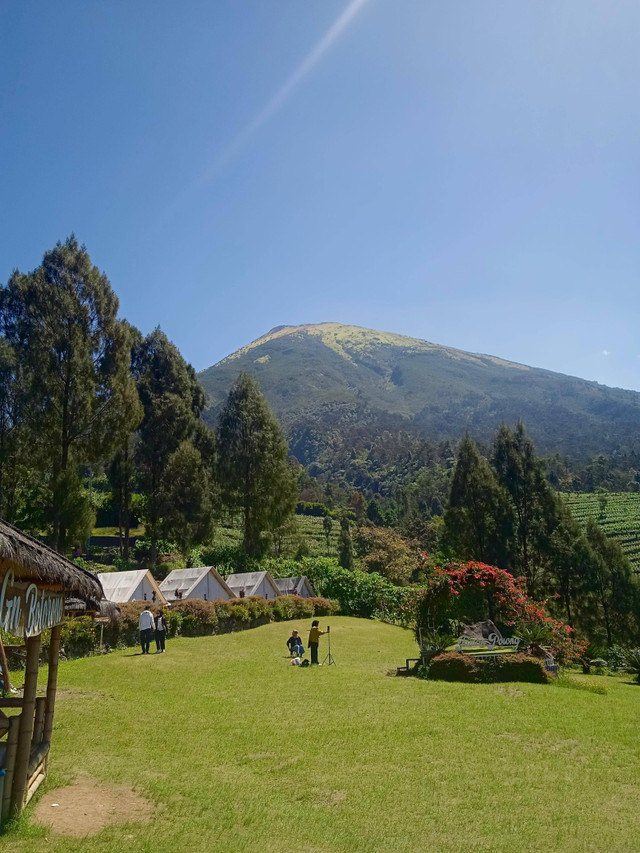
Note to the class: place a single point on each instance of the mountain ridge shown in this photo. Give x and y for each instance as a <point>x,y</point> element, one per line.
<point>325,376</point>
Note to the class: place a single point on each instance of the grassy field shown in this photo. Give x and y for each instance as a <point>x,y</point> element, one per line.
<point>239,751</point>
<point>620,519</point>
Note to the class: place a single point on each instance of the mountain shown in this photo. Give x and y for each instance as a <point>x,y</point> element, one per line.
<point>330,376</point>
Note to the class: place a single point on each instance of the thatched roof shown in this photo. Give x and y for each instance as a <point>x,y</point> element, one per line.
<point>45,564</point>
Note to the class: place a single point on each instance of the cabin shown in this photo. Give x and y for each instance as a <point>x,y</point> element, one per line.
<point>246,584</point>
<point>295,586</point>
<point>34,583</point>
<point>137,585</point>
<point>203,582</point>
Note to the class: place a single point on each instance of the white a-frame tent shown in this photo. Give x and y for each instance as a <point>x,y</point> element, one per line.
<point>138,585</point>
<point>203,582</point>
<point>245,584</point>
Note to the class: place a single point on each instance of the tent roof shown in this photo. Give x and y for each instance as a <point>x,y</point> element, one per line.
<point>45,564</point>
<point>120,586</point>
<point>250,581</point>
<point>187,579</point>
<point>292,586</point>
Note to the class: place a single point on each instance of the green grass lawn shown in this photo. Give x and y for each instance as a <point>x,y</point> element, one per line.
<point>239,751</point>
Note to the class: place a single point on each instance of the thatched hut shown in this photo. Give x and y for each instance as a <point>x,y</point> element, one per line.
<point>34,582</point>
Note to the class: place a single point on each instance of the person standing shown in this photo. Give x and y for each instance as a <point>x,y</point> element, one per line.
<point>161,631</point>
<point>314,638</point>
<point>145,624</point>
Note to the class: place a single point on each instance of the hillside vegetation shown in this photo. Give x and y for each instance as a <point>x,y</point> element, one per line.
<point>617,513</point>
<point>239,751</point>
<point>327,376</point>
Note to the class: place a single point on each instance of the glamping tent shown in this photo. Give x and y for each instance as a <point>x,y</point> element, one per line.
<point>34,582</point>
<point>253,583</point>
<point>203,582</point>
<point>138,585</point>
<point>295,586</point>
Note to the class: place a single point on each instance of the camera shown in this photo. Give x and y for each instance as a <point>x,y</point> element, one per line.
<point>328,628</point>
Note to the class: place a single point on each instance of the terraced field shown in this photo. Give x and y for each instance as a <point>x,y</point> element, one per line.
<point>620,519</point>
<point>310,530</point>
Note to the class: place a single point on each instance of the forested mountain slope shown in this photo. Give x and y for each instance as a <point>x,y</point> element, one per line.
<point>321,377</point>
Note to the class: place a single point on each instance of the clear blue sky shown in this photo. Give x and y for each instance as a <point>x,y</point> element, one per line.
<point>464,172</point>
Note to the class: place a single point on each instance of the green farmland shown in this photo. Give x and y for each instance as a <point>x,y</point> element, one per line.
<point>309,532</point>
<point>236,750</point>
<point>620,519</point>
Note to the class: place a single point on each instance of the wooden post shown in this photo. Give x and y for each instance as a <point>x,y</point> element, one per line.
<point>5,668</point>
<point>52,680</point>
<point>12,745</point>
<point>25,732</point>
<point>38,725</point>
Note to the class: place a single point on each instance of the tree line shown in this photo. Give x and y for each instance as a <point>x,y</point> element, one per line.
<point>80,387</point>
<point>503,511</point>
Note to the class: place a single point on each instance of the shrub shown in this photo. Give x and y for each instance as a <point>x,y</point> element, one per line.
<point>520,668</point>
<point>197,618</point>
<point>79,636</point>
<point>633,662</point>
<point>617,658</point>
<point>457,666</point>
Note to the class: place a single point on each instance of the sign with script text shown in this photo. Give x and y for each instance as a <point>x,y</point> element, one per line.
<point>492,642</point>
<point>26,610</point>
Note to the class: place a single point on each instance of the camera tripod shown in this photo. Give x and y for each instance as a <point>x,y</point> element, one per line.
<point>329,659</point>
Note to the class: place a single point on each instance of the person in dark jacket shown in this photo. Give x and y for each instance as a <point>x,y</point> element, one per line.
<point>295,645</point>
<point>161,631</point>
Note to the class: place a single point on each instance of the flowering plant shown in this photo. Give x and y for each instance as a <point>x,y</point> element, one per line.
<point>463,593</point>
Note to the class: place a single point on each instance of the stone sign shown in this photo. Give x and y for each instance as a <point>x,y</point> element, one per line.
<point>26,610</point>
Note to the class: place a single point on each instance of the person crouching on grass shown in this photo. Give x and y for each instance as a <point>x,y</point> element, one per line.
<point>294,643</point>
<point>314,638</point>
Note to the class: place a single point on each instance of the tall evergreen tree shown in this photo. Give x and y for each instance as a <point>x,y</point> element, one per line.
<point>519,473</point>
<point>569,561</point>
<point>345,547</point>
<point>615,593</point>
<point>186,498</point>
<point>61,321</point>
<point>253,471</point>
<point>172,401</point>
<point>476,522</point>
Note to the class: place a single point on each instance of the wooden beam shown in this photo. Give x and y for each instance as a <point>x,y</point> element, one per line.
<point>10,760</point>
<point>25,732</point>
<point>52,681</point>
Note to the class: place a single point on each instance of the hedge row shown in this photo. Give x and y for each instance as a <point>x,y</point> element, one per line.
<point>457,666</point>
<point>191,618</point>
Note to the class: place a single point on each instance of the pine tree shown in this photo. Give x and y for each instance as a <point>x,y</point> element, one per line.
<point>476,524</point>
<point>73,353</point>
<point>172,401</point>
<point>345,549</point>
<point>519,472</point>
<point>253,471</point>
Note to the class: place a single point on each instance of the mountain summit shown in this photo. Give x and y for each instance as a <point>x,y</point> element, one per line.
<point>326,374</point>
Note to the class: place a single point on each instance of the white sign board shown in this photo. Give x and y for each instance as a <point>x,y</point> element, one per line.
<point>26,611</point>
<point>493,641</point>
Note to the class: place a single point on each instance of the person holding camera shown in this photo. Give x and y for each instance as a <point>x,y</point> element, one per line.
<point>314,638</point>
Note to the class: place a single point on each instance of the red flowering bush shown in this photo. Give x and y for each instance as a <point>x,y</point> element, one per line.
<point>464,593</point>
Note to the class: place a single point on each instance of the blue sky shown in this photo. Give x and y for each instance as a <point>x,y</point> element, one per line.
<point>464,172</point>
